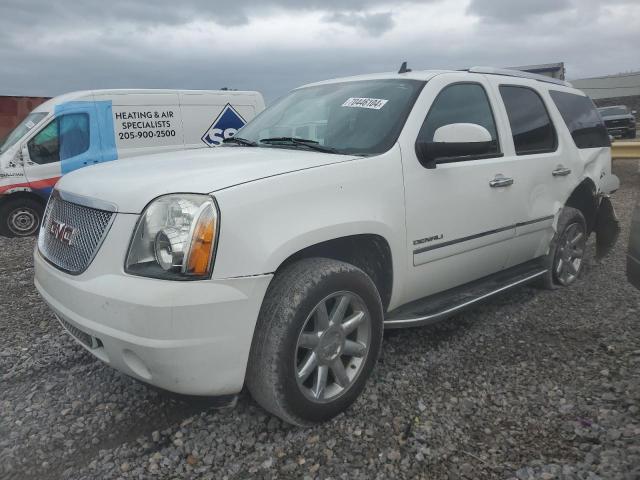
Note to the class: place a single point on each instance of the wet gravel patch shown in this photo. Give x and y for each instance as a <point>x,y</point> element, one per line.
<point>530,385</point>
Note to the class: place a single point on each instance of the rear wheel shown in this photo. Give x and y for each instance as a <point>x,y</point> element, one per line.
<point>566,253</point>
<point>316,341</point>
<point>20,217</point>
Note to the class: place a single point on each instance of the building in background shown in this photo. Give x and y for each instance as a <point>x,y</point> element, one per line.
<point>13,110</point>
<point>618,89</point>
<point>553,70</point>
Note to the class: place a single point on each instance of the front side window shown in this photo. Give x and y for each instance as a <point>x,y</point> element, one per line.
<point>357,118</point>
<point>460,103</point>
<point>64,137</point>
<point>582,119</point>
<point>531,126</point>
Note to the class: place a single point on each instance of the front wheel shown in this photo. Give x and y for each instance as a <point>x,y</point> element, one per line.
<point>316,342</point>
<point>20,217</point>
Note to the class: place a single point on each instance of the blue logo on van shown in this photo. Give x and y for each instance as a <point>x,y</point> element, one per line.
<point>226,125</point>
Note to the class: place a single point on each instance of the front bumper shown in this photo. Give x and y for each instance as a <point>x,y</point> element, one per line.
<point>186,337</point>
<point>621,131</point>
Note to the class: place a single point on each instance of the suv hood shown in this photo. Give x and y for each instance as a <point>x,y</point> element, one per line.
<point>132,183</point>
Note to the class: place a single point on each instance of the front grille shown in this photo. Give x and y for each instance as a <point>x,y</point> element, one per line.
<point>81,336</point>
<point>617,123</point>
<point>71,234</point>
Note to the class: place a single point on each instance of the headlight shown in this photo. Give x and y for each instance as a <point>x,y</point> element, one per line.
<point>175,238</point>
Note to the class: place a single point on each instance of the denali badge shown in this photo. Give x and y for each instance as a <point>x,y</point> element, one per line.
<point>63,232</point>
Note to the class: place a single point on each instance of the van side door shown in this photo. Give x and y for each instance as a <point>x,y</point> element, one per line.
<point>68,142</point>
<point>460,215</point>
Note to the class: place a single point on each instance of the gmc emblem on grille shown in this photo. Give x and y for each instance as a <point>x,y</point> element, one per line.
<point>62,232</point>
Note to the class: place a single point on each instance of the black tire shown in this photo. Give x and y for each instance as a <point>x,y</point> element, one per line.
<point>293,295</point>
<point>570,219</point>
<point>20,217</point>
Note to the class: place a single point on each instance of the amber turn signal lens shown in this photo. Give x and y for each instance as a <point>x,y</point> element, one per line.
<point>201,248</point>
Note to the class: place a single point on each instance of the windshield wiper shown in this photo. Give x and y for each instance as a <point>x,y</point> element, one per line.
<point>241,141</point>
<point>306,142</point>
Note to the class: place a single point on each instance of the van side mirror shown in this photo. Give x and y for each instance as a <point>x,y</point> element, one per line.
<point>454,141</point>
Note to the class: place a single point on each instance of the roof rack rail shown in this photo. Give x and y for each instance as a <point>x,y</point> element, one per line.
<point>518,73</point>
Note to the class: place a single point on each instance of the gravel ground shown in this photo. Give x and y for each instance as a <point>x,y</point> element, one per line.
<point>532,384</point>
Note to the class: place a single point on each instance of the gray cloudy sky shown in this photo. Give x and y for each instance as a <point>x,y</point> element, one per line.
<point>47,48</point>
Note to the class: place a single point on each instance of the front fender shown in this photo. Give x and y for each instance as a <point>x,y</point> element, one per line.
<point>262,223</point>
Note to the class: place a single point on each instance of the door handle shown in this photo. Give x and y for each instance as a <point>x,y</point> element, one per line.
<point>561,171</point>
<point>500,181</point>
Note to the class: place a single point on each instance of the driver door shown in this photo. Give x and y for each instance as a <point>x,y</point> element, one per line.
<point>460,221</point>
<point>66,143</point>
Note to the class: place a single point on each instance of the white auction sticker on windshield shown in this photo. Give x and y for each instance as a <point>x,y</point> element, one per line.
<point>30,124</point>
<point>373,103</point>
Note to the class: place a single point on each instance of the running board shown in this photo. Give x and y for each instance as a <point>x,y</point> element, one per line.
<point>437,307</point>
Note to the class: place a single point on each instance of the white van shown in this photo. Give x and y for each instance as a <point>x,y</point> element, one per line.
<point>79,129</point>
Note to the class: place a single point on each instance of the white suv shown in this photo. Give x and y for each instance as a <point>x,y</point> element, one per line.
<point>347,207</point>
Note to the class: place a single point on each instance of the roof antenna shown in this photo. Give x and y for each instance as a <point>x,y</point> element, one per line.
<point>403,68</point>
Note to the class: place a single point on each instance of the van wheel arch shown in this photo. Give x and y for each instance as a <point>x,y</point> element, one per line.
<point>30,201</point>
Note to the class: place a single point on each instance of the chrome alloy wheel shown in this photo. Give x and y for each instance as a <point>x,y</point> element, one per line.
<point>570,254</point>
<point>23,221</point>
<point>332,347</point>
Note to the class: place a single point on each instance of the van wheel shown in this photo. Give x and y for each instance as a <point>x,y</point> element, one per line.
<point>20,217</point>
<point>566,252</point>
<point>317,339</point>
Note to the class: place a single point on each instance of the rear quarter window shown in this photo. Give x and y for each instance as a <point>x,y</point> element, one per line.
<point>582,119</point>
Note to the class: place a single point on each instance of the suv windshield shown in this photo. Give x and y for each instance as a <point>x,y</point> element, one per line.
<point>360,118</point>
<point>610,111</point>
<point>22,129</point>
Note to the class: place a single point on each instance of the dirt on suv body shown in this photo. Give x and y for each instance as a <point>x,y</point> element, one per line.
<point>349,206</point>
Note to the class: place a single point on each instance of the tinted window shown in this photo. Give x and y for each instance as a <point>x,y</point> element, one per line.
<point>582,119</point>
<point>531,126</point>
<point>65,137</point>
<point>460,103</point>
<point>44,148</point>
<point>74,135</point>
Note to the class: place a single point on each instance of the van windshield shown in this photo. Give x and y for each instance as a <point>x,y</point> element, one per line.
<point>358,118</point>
<point>22,129</point>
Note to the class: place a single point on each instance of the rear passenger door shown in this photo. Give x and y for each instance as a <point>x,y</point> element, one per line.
<point>541,165</point>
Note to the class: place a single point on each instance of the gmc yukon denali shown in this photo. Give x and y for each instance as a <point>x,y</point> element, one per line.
<point>347,207</point>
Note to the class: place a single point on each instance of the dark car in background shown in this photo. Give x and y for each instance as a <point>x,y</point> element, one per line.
<point>633,255</point>
<point>620,122</point>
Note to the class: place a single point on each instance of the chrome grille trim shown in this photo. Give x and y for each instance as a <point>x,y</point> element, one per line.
<point>91,227</point>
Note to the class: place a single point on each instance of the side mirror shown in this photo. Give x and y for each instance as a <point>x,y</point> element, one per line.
<point>453,141</point>
<point>633,112</point>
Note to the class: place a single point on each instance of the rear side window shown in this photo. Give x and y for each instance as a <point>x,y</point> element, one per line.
<point>531,126</point>
<point>582,119</point>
